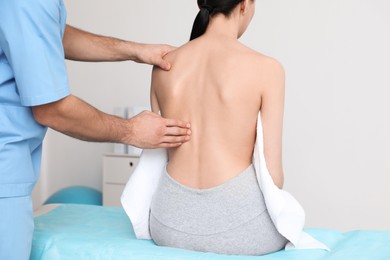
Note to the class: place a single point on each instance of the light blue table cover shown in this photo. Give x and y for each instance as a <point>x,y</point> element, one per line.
<point>95,232</point>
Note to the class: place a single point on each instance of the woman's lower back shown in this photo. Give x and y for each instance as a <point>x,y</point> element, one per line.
<point>213,156</point>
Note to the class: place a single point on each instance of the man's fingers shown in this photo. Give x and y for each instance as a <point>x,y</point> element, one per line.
<point>169,48</point>
<point>177,123</point>
<point>175,139</point>
<point>163,64</point>
<point>177,131</point>
<point>169,145</point>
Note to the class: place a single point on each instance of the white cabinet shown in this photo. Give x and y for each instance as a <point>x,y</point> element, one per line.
<point>117,169</point>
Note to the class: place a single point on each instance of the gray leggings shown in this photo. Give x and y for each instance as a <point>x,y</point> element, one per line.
<point>227,219</point>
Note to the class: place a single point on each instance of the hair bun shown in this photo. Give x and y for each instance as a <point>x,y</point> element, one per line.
<point>207,7</point>
<point>207,10</point>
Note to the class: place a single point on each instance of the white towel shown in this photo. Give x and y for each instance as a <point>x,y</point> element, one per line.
<point>286,213</point>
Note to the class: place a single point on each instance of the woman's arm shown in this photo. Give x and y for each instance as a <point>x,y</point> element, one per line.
<point>156,107</point>
<point>84,46</point>
<point>272,107</point>
<point>153,97</point>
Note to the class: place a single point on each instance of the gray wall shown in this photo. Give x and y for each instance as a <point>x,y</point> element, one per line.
<point>337,60</point>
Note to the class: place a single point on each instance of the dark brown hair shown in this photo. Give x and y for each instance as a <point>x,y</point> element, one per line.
<point>209,8</point>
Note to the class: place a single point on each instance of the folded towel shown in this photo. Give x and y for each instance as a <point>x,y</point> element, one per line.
<point>286,213</point>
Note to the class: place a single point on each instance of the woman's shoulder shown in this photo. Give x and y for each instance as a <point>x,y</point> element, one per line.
<point>262,59</point>
<point>180,51</point>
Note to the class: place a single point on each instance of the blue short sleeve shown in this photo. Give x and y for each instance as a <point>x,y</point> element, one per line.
<point>31,38</point>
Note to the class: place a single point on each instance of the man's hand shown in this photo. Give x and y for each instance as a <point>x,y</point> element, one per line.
<point>149,130</point>
<point>153,54</point>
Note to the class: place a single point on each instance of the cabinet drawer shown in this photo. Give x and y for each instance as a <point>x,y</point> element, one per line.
<point>117,170</point>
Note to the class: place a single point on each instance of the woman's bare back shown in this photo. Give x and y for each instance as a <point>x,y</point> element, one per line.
<point>217,85</point>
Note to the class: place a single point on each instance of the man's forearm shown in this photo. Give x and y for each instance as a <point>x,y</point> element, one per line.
<point>76,118</point>
<point>84,46</point>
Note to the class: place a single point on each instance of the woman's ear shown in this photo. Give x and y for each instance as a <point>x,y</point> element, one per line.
<point>243,6</point>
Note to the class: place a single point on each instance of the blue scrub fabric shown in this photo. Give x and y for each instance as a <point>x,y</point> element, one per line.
<point>32,72</point>
<point>15,242</point>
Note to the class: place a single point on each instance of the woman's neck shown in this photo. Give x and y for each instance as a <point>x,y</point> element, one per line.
<point>222,26</point>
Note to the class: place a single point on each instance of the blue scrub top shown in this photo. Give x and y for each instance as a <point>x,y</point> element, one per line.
<point>32,72</point>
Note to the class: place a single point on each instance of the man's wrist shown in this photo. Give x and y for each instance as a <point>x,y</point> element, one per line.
<point>128,132</point>
<point>131,50</point>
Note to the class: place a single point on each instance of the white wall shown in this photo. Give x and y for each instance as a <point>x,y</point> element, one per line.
<point>337,60</point>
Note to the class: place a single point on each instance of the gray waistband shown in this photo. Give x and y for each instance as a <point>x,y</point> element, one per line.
<point>228,184</point>
<point>208,211</point>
